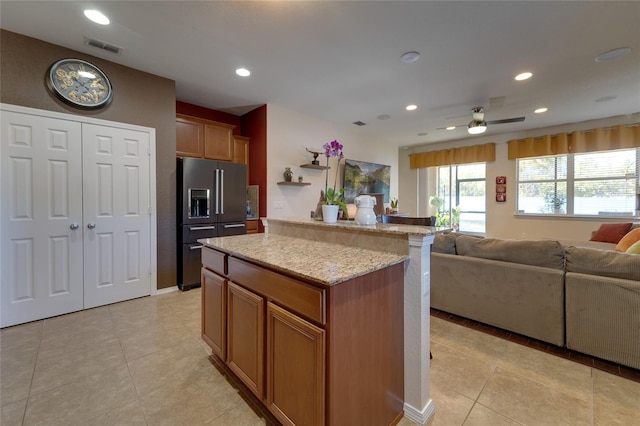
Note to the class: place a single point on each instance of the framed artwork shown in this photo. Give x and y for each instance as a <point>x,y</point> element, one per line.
<point>365,178</point>
<point>501,189</point>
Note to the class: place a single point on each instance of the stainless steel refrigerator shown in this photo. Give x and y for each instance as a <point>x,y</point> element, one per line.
<point>212,202</point>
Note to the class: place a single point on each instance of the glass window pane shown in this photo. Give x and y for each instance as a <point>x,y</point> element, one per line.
<point>605,197</point>
<point>605,164</point>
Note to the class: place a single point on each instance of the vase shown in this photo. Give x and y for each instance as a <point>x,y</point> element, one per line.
<point>329,213</point>
<point>288,174</point>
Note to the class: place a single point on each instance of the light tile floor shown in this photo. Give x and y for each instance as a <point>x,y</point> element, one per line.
<point>142,362</point>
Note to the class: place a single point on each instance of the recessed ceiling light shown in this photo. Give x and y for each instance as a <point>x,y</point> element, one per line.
<point>96,16</point>
<point>523,76</point>
<point>541,110</point>
<point>409,57</point>
<point>243,72</point>
<point>613,54</point>
<point>451,127</point>
<point>412,107</point>
<point>383,117</point>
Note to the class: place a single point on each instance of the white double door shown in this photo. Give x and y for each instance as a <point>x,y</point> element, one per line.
<point>75,216</point>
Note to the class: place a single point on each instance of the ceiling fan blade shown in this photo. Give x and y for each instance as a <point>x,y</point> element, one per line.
<point>506,120</point>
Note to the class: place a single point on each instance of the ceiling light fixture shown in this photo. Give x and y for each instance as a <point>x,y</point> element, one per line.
<point>476,127</point>
<point>451,128</point>
<point>613,54</point>
<point>96,16</point>
<point>523,76</point>
<point>409,57</point>
<point>411,107</point>
<point>243,72</point>
<point>541,110</point>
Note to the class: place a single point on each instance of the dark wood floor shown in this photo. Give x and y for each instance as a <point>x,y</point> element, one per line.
<point>600,364</point>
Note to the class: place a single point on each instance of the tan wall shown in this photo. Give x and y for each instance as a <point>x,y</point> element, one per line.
<point>139,98</point>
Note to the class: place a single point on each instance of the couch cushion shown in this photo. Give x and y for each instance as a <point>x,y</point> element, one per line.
<point>546,253</point>
<point>604,263</point>
<point>444,243</point>
<point>634,249</point>
<point>628,240</point>
<point>611,232</point>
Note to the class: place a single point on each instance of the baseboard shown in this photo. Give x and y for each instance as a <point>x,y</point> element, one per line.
<point>166,290</point>
<point>420,416</point>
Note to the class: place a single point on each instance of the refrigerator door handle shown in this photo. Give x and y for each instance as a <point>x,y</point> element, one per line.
<point>217,194</point>
<point>201,228</point>
<point>236,225</point>
<point>221,191</point>
<point>195,247</point>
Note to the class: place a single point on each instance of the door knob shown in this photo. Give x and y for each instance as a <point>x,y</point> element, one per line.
<point>74,226</point>
<point>91,225</point>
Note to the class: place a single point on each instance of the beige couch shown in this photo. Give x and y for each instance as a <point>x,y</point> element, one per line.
<point>587,299</point>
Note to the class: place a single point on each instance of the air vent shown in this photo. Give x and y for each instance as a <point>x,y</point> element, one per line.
<point>359,123</point>
<point>102,45</point>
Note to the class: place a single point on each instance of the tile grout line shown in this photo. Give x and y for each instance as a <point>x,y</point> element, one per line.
<point>33,373</point>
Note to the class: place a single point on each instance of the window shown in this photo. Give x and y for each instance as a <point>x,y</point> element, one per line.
<point>592,184</point>
<point>461,197</point>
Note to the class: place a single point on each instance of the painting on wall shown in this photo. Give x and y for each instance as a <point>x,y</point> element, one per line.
<point>366,178</point>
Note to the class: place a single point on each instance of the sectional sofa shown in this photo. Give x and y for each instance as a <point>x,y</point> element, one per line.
<point>584,298</point>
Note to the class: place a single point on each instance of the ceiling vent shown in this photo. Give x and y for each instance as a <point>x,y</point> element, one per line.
<point>102,45</point>
<point>359,123</point>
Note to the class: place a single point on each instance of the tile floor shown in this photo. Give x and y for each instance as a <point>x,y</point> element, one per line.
<point>142,362</point>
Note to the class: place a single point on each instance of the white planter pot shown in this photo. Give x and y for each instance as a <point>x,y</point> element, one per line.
<point>329,213</point>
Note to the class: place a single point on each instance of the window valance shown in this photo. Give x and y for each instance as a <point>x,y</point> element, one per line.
<point>605,139</point>
<point>462,155</point>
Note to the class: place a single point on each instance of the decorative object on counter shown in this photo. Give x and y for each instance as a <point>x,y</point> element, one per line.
<point>288,174</point>
<point>330,213</point>
<point>331,195</point>
<point>317,215</point>
<point>299,179</point>
<point>394,206</point>
<point>365,214</point>
<point>315,161</point>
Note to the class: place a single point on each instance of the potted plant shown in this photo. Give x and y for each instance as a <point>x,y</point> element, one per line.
<point>555,202</point>
<point>333,197</point>
<point>394,205</point>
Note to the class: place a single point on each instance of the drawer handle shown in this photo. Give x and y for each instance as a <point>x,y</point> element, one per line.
<point>200,228</point>
<point>237,225</point>
<point>195,247</point>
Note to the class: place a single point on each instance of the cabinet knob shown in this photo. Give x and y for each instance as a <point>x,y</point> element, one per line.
<point>91,225</point>
<point>74,226</point>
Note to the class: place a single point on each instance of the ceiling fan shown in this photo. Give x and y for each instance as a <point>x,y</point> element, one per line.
<point>478,125</point>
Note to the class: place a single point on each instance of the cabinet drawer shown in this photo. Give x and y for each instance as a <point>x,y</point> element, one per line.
<point>214,260</point>
<point>299,297</point>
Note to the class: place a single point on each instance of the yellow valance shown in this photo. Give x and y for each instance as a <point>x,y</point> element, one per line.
<point>606,139</point>
<point>462,155</point>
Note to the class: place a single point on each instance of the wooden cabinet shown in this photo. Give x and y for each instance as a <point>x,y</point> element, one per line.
<point>295,360</point>
<point>314,355</point>
<point>218,141</point>
<point>189,138</point>
<point>201,138</point>
<point>214,312</point>
<point>245,337</point>
<point>252,226</point>
<point>241,149</point>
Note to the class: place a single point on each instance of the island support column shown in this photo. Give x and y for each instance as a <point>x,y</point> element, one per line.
<point>418,406</point>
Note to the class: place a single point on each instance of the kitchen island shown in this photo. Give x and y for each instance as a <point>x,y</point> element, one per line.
<point>314,317</point>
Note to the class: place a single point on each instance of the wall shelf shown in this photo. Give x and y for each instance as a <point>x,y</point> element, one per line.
<point>295,183</point>
<point>314,166</point>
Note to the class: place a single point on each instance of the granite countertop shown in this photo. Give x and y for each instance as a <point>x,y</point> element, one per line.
<point>323,263</point>
<point>390,228</point>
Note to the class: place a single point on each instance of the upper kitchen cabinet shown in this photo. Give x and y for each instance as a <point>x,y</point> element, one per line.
<point>204,138</point>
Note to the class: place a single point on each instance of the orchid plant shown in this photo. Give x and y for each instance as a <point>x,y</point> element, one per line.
<point>333,196</point>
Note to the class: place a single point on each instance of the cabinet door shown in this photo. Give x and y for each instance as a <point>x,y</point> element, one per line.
<point>245,338</point>
<point>218,141</point>
<point>241,152</point>
<point>214,311</point>
<point>295,360</point>
<point>189,138</point>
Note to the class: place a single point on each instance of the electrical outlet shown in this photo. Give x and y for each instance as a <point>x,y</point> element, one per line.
<point>278,205</point>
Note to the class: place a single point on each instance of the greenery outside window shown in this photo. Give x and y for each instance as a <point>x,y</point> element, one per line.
<point>590,184</point>
<point>461,197</point>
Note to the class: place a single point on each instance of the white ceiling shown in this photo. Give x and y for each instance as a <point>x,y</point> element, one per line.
<point>340,60</point>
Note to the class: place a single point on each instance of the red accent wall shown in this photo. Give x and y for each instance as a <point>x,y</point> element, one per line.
<point>254,125</point>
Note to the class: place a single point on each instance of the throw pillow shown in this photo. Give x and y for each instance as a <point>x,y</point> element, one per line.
<point>628,240</point>
<point>634,249</point>
<point>611,232</point>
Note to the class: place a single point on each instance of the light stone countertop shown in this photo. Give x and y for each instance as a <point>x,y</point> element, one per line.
<point>320,262</point>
